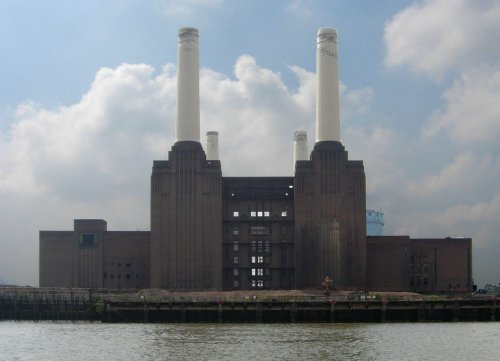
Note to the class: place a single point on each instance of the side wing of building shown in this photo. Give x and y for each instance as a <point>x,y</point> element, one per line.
<point>90,256</point>
<point>434,265</point>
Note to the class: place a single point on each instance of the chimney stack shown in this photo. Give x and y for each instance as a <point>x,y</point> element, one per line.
<point>300,151</point>
<point>212,145</point>
<point>327,86</point>
<point>187,126</point>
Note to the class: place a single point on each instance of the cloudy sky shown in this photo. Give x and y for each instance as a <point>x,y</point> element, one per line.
<point>87,102</point>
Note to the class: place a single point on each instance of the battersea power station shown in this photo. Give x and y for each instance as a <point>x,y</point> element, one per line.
<point>210,232</point>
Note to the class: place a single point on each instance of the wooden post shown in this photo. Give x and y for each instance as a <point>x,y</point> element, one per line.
<point>456,312</point>
<point>293,312</point>
<point>220,314</point>
<point>332,311</point>
<point>421,312</point>
<point>258,312</point>
<point>146,312</point>
<point>183,313</point>
<point>383,313</point>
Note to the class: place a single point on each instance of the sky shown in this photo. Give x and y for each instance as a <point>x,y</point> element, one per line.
<point>87,102</point>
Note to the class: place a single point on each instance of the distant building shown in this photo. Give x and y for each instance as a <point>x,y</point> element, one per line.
<point>374,222</point>
<point>231,233</point>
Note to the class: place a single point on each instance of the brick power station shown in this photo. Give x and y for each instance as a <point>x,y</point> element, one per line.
<point>210,232</point>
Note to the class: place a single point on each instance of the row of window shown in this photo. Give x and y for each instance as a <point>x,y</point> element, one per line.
<point>253,259</point>
<point>253,284</point>
<point>119,276</point>
<point>259,214</point>
<point>254,272</point>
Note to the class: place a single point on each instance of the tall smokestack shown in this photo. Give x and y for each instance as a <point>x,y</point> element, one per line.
<point>300,151</point>
<point>187,126</point>
<point>212,149</point>
<point>327,86</point>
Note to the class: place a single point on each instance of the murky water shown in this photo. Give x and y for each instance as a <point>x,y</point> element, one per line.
<point>95,341</point>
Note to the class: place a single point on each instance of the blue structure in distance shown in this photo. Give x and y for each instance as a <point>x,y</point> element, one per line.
<point>374,222</point>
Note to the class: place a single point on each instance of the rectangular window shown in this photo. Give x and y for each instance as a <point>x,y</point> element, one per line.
<point>235,272</point>
<point>259,230</point>
<point>260,259</point>
<point>260,283</point>
<point>88,240</point>
<point>236,231</point>
<point>283,213</point>
<point>253,246</point>
<point>235,247</point>
<point>253,271</point>
<point>236,283</point>
<point>266,246</point>
<point>267,272</point>
<point>260,272</point>
<point>253,214</point>
<point>259,214</point>
<point>254,283</point>
<point>236,214</point>
<point>236,260</point>
<point>254,259</point>
<point>266,213</point>
<point>259,246</point>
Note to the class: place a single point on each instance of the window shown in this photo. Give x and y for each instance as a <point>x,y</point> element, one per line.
<point>253,271</point>
<point>236,260</point>
<point>260,283</point>
<point>236,214</point>
<point>236,231</point>
<point>259,246</point>
<point>253,214</point>
<point>259,230</point>
<point>254,283</point>
<point>283,213</point>
<point>259,214</point>
<point>88,240</point>
<point>253,246</point>
<point>266,213</point>
<point>260,272</point>
<point>236,283</point>
<point>235,272</point>
<point>254,259</point>
<point>235,247</point>
<point>266,246</point>
<point>260,259</point>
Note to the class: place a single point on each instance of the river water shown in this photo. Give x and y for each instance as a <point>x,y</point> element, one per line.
<point>389,341</point>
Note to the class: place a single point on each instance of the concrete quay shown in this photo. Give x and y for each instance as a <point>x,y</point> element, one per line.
<point>37,304</point>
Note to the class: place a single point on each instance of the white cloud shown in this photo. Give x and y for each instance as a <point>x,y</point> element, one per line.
<point>468,178</point>
<point>300,7</point>
<point>433,36</point>
<point>472,110</point>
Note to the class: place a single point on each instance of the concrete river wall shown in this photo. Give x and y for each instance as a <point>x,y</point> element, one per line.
<point>37,304</point>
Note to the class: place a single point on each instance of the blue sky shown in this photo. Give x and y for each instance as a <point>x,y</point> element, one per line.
<point>87,101</point>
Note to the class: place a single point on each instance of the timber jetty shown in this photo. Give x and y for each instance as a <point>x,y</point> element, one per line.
<point>71,304</point>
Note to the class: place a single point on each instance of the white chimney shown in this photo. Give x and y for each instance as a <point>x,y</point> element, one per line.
<point>300,151</point>
<point>327,86</point>
<point>187,126</point>
<point>212,149</point>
